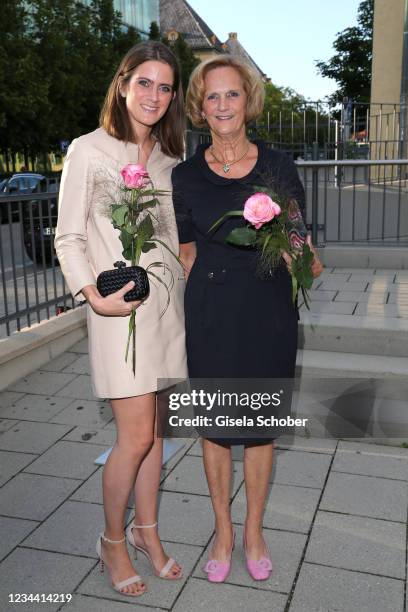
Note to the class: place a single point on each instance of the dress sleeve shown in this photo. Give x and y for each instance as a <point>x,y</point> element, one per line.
<point>291,184</point>
<point>73,209</point>
<point>183,213</point>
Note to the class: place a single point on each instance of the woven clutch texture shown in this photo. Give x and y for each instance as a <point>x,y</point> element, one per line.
<point>110,281</point>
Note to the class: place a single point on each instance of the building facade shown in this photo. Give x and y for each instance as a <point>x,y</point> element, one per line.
<point>138,13</point>
<point>389,82</point>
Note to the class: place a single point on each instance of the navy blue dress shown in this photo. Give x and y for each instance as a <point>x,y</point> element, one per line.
<point>239,324</point>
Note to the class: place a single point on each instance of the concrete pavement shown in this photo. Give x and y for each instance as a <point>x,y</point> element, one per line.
<point>336,517</point>
<point>335,522</point>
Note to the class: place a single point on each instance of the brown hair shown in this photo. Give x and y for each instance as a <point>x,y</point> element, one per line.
<point>252,82</point>
<point>114,117</point>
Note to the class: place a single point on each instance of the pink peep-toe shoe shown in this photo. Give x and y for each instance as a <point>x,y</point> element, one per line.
<point>260,569</point>
<point>216,571</point>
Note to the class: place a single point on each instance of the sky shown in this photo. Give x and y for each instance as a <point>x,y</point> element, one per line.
<point>284,37</point>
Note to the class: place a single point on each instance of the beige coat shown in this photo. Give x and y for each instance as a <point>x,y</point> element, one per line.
<point>86,244</point>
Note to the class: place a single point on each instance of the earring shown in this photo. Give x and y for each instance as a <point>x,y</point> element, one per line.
<point>203,116</point>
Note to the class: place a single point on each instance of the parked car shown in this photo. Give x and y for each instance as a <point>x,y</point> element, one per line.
<point>39,223</point>
<point>20,183</point>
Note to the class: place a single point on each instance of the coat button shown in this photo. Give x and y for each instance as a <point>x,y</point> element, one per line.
<point>211,275</point>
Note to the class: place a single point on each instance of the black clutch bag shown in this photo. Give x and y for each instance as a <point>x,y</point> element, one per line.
<point>110,281</point>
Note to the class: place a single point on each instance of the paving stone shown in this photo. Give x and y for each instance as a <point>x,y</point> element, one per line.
<point>332,307</point>
<point>6,424</point>
<point>38,381</point>
<point>360,544</point>
<point>189,477</point>
<point>89,435</point>
<point>300,468</point>
<point>358,277</point>
<point>12,463</point>
<point>348,271</point>
<point>80,347</point>
<point>321,589</point>
<point>383,284</point>
<point>361,296</point>
<point>286,551</point>
<point>66,459</point>
<point>85,603</point>
<point>343,285</point>
<point>314,445</point>
<point>288,508</point>
<point>81,525</point>
<point>60,362</point>
<point>36,407</point>
<point>383,272</point>
<point>13,531</point>
<point>202,595</point>
<point>365,496</point>
<point>40,572</point>
<point>382,310</point>
<point>368,461</point>
<point>185,518</point>
<point>79,366</point>
<point>397,298</point>
<point>161,593</point>
<point>8,398</point>
<point>341,274</point>
<point>79,388</point>
<point>32,437</point>
<point>369,448</point>
<point>95,414</point>
<point>91,490</point>
<point>322,296</point>
<point>33,497</point>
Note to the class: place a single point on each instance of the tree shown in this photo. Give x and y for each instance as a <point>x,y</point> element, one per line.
<point>187,60</point>
<point>23,93</point>
<point>351,64</point>
<point>57,58</point>
<point>154,31</point>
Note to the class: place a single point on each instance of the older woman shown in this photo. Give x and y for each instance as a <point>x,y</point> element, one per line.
<point>142,121</point>
<point>238,324</point>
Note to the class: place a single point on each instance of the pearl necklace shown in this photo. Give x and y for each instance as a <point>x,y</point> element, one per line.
<point>225,164</point>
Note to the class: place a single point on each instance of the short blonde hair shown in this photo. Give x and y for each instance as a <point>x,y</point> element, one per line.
<point>252,83</point>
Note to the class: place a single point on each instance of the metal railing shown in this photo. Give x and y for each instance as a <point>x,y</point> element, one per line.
<point>32,286</point>
<point>356,201</point>
<point>348,202</point>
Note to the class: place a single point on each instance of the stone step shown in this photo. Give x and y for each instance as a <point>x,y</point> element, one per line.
<point>326,364</point>
<point>362,335</point>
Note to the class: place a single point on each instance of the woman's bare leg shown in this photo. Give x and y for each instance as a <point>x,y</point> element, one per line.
<point>257,472</point>
<point>134,417</point>
<point>218,469</point>
<point>146,506</point>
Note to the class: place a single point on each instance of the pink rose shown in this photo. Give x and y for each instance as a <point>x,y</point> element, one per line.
<point>135,176</point>
<point>260,209</point>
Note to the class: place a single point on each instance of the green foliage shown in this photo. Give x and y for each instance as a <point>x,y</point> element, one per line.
<point>57,58</point>
<point>154,31</point>
<point>187,60</point>
<point>350,66</point>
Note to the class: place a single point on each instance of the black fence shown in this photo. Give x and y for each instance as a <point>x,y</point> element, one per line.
<point>348,202</point>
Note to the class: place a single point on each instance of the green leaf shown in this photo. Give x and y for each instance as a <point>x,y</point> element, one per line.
<point>242,236</point>
<point>231,213</point>
<point>148,246</point>
<point>119,215</point>
<point>145,229</point>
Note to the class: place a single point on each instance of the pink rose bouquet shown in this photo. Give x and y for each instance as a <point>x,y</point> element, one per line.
<point>275,225</point>
<point>132,215</point>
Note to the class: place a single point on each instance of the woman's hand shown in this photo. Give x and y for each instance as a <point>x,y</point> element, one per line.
<point>112,305</point>
<point>187,256</point>
<point>317,266</point>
